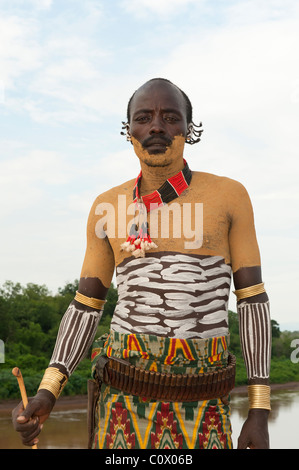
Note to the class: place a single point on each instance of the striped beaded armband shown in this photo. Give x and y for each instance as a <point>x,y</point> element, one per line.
<point>255,337</point>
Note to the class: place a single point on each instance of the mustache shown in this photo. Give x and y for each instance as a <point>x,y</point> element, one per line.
<point>156,140</point>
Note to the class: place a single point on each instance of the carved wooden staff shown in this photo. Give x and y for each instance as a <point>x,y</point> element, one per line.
<point>17,373</point>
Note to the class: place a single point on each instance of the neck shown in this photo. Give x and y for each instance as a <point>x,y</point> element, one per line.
<point>154,176</point>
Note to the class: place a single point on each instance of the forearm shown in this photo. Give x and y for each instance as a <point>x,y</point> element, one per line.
<point>255,337</point>
<point>75,336</point>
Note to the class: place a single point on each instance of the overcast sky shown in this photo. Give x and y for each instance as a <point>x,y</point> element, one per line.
<point>67,70</point>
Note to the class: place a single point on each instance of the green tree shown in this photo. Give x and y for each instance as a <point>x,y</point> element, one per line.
<point>70,288</point>
<point>275,329</point>
<point>30,317</point>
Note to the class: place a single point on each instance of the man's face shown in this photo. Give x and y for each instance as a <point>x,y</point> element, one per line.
<point>158,115</point>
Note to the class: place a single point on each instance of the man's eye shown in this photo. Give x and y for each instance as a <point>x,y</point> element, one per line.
<point>142,118</point>
<point>171,118</point>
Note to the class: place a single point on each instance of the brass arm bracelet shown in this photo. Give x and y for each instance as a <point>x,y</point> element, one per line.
<point>259,396</point>
<point>89,301</point>
<point>53,381</point>
<point>249,291</point>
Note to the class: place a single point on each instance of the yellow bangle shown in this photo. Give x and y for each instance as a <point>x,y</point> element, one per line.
<point>259,396</point>
<point>53,381</point>
<point>89,301</point>
<point>250,291</point>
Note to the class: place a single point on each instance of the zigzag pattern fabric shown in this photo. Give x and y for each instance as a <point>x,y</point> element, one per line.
<point>132,422</point>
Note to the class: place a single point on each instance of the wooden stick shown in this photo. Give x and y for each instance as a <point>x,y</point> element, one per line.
<point>17,373</point>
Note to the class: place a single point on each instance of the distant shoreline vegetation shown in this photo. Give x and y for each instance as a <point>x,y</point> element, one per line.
<point>29,320</point>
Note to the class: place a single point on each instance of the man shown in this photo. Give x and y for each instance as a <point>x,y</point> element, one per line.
<point>168,347</point>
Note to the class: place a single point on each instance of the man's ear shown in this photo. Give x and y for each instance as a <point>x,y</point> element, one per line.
<point>126,127</point>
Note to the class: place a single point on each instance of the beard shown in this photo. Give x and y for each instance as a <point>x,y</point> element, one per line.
<point>161,156</point>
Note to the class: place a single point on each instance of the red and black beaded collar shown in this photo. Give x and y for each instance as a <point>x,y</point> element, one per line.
<point>139,240</point>
<point>171,189</point>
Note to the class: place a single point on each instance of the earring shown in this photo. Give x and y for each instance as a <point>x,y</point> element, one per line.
<point>126,126</point>
<point>194,133</point>
<point>189,133</point>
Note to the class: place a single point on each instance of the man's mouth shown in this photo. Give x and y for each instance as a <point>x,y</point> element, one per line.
<point>156,142</point>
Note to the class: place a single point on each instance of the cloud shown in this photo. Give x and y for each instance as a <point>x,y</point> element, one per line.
<point>255,11</point>
<point>242,88</point>
<point>240,68</point>
<point>71,69</point>
<point>19,52</point>
<point>169,8</point>
<point>24,179</point>
<point>48,70</point>
<point>42,4</point>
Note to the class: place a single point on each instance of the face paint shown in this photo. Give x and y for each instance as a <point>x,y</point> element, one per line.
<point>173,152</point>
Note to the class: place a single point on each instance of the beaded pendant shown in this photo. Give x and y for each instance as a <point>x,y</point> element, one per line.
<point>139,240</point>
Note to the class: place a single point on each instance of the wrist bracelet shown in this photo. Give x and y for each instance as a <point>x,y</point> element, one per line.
<point>259,396</point>
<point>53,381</point>
<point>89,301</point>
<point>249,291</point>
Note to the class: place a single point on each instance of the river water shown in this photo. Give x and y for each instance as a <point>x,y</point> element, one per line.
<point>66,427</point>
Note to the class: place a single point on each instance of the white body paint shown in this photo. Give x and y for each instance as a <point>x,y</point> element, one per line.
<point>177,295</point>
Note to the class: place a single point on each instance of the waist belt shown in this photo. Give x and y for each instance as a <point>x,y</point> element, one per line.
<point>124,376</point>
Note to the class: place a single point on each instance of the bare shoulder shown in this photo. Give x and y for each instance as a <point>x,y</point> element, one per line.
<point>221,184</point>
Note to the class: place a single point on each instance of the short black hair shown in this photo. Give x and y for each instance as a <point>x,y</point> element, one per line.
<point>187,101</point>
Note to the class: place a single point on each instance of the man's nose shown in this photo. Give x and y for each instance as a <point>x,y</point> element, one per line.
<point>157,126</point>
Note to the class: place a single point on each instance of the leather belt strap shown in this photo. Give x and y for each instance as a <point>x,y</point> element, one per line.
<point>133,380</point>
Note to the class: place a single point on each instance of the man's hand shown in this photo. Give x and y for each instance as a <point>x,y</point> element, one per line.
<point>29,422</point>
<point>254,433</point>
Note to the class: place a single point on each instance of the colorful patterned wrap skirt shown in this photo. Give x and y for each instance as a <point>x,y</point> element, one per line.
<point>125,421</point>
